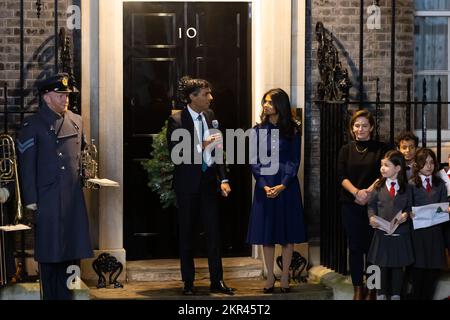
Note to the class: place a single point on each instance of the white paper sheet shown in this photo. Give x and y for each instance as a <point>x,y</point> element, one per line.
<point>105,182</point>
<point>17,227</point>
<point>430,215</point>
<point>388,226</point>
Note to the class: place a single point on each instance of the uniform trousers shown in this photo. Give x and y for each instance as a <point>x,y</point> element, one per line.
<point>54,280</point>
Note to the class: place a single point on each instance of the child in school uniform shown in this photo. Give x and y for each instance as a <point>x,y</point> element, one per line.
<point>446,225</point>
<point>392,253</point>
<point>428,243</point>
<point>407,144</point>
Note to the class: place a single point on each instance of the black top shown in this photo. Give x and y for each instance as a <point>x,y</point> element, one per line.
<point>359,162</point>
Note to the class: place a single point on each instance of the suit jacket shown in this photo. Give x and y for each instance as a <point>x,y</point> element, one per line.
<point>187,176</point>
<point>49,169</point>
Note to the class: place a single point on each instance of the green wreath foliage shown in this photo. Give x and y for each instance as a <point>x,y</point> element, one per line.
<point>160,170</point>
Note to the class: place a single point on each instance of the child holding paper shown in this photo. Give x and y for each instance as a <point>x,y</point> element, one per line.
<point>391,252</point>
<point>428,243</point>
<point>446,226</point>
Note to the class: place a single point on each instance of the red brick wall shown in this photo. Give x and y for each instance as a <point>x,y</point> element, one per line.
<point>38,57</point>
<point>38,47</point>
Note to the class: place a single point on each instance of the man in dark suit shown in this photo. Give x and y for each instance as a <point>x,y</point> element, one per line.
<point>50,144</point>
<point>196,181</point>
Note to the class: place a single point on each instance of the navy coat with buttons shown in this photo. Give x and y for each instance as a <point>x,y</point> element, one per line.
<point>49,149</point>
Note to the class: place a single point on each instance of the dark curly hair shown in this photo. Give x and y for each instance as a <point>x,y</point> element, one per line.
<point>405,136</point>
<point>188,86</point>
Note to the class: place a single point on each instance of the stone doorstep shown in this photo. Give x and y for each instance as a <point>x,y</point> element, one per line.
<point>161,280</point>
<point>31,291</point>
<point>250,288</point>
<point>343,289</point>
<point>169,270</point>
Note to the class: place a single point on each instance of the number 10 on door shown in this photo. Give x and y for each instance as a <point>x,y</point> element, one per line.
<point>190,33</point>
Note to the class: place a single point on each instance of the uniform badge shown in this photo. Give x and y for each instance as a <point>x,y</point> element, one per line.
<point>22,147</point>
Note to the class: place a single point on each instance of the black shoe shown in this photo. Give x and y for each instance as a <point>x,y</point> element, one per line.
<point>270,289</point>
<point>285,290</point>
<point>221,287</point>
<point>188,289</point>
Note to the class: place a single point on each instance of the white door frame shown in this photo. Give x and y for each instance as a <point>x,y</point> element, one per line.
<point>275,63</point>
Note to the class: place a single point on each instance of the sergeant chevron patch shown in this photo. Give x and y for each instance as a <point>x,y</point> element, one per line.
<point>22,147</point>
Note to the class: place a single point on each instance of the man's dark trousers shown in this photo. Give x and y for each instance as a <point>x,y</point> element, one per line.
<point>203,202</point>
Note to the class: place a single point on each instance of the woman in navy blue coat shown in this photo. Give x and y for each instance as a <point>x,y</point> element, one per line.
<point>277,211</point>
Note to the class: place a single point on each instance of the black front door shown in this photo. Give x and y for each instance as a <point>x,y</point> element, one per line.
<point>162,42</point>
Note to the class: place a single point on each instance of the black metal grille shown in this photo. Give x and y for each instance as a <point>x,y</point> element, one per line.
<point>14,113</point>
<point>12,116</point>
<point>335,110</point>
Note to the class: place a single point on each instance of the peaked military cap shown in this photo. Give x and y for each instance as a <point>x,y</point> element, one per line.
<point>56,83</point>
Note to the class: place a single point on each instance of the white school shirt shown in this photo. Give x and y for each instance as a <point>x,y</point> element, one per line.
<point>388,185</point>
<point>424,183</point>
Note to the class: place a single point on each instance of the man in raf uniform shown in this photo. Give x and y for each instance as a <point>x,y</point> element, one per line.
<point>50,145</point>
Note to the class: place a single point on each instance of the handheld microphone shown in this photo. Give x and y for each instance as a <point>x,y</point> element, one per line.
<point>215,125</point>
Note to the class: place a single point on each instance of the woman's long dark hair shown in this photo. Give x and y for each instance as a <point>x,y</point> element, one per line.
<point>419,162</point>
<point>280,101</point>
<point>397,159</point>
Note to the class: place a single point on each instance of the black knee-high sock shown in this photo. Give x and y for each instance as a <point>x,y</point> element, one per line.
<point>417,280</point>
<point>397,281</point>
<point>429,285</point>
<point>385,283</point>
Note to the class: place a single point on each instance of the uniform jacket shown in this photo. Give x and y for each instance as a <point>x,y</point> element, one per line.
<point>49,150</point>
<point>421,197</point>
<point>187,177</point>
<point>383,206</point>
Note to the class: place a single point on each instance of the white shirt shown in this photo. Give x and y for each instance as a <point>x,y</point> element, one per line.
<point>388,185</point>
<point>207,153</point>
<point>409,171</point>
<point>424,183</point>
<point>444,176</point>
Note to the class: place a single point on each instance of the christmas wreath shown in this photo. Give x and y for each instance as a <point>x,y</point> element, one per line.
<point>160,169</point>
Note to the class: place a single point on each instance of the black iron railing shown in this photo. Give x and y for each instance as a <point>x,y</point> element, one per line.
<point>62,62</point>
<point>335,111</point>
<point>15,112</point>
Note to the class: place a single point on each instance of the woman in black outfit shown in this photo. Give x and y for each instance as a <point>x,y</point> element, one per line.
<point>358,169</point>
